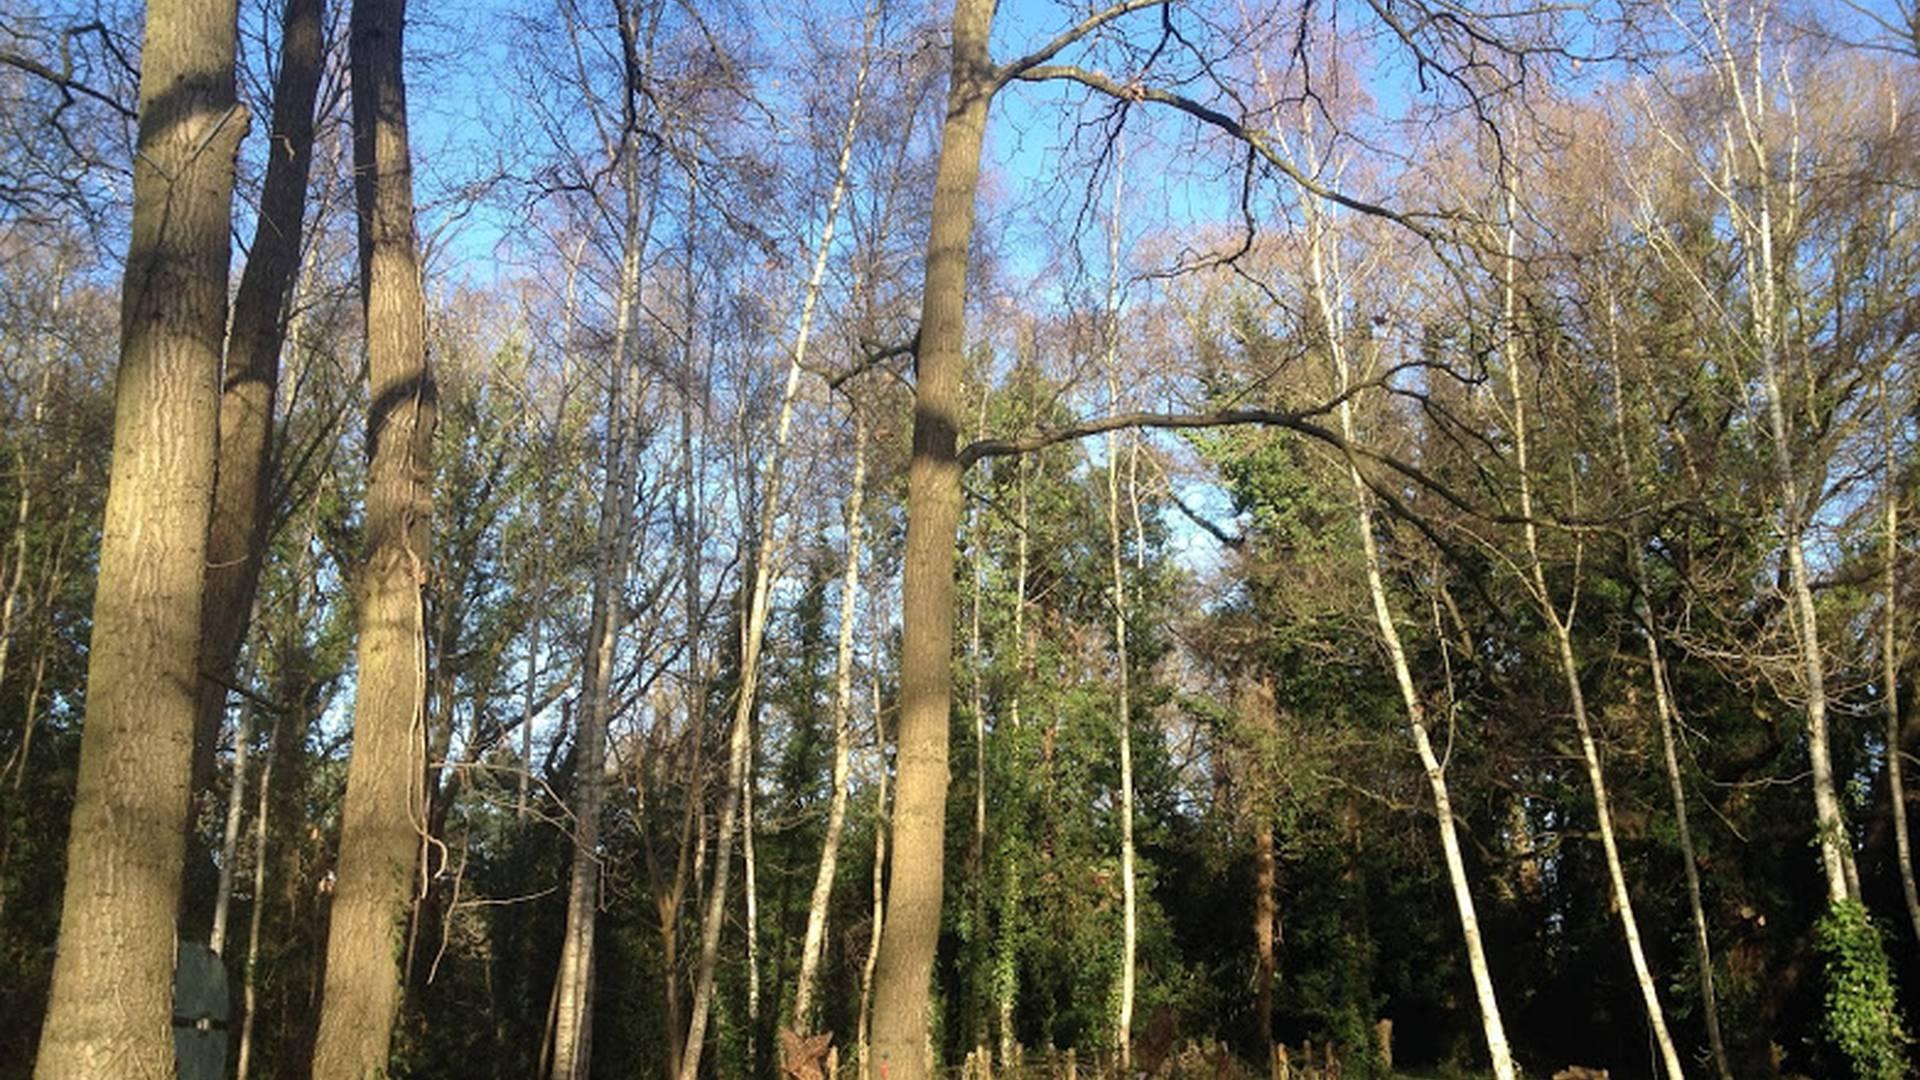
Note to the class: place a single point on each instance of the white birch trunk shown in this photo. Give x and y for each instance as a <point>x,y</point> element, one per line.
<point>250,973</point>
<point>1498,1051</point>
<point>1665,713</point>
<point>755,630</point>
<point>230,836</point>
<point>813,945</point>
<point>573,983</point>
<point>1123,1022</point>
<point>1570,669</point>
<point>1890,664</point>
<point>864,1025</point>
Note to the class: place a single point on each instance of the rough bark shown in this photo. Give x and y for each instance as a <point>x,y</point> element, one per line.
<point>382,815</point>
<point>110,1006</point>
<point>237,527</point>
<point>904,969</point>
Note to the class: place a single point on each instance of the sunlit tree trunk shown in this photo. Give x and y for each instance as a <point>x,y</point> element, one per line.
<point>1665,713</point>
<point>904,972</point>
<point>813,945</point>
<point>574,1003</point>
<point>250,971</point>
<point>1498,1051</point>
<point>1569,665</point>
<point>863,1025</point>
<point>1890,658</point>
<point>755,630</point>
<point>1006,962</point>
<point>1123,705</point>
<point>242,495</point>
<point>109,1010</point>
<point>382,818</point>
<point>230,842</point>
<point>1747,185</point>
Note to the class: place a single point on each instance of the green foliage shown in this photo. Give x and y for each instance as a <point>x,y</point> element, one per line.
<point>1861,1016</point>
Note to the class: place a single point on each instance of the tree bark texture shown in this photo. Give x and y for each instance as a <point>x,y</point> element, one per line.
<point>385,798</point>
<point>904,969</point>
<point>237,528</point>
<point>110,1006</point>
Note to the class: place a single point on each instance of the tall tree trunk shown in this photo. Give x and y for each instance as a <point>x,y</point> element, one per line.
<point>573,1003</point>
<point>750,883</point>
<point>1257,714</point>
<point>763,572</point>
<point>1006,963</point>
<point>754,636</point>
<point>230,836</point>
<point>813,945</point>
<point>382,815</point>
<point>1123,705</point>
<point>904,971</point>
<point>250,970</point>
<point>1570,668</point>
<point>1890,661</point>
<point>110,1006</point>
<point>1749,162</point>
<point>1665,713</point>
<point>863,1026</point>
<point>237,527</point>
<point>16,574</point>
<point>975,880</point>
<point>1494,1030</point>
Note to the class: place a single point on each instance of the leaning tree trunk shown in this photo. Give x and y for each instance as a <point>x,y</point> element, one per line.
<point>1665,713</point>
<point>109,1010</point>
<point>740,737</point>
<point>904,970</point>
<point>1570,670</point>
<point>813,944</point>
<point>237,528</point>
<point>1498,1051</point>
<point>381,818</point>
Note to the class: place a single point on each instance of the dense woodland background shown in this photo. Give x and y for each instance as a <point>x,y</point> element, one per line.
<point>1410,467</point>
